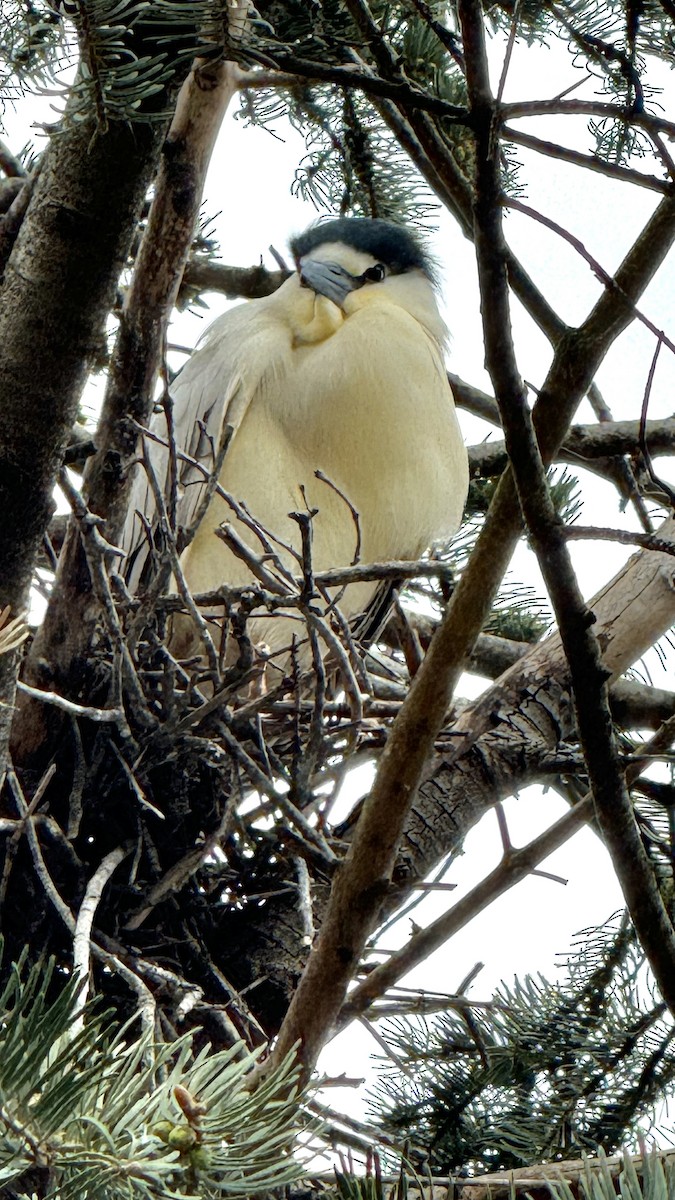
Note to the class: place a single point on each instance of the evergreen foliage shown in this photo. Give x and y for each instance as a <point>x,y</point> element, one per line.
<point>226,804</point>
<point>106,1115</point>
<point>655,1181</point>
<point>33,48</point>
<point>551,1070</point>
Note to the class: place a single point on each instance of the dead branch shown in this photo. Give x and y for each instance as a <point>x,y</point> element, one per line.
<point>85,918</point>
<point>248,283</point>
<point>533,1179</point>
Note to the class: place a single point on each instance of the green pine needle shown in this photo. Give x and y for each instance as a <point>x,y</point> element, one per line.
<point>101,1109</point>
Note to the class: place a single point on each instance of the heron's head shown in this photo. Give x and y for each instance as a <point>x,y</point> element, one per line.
<point>339,257</point>
<point>357,261</point>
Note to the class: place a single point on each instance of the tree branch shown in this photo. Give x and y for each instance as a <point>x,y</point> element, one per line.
<point>201,274</point>
<point>589,162</point>
<point>362,884</point>
<point>583,442</point>
<point>634,705</point>
<point>536,1179</point>
<point>586,108</point>
<point>589,675</point>
<point>348,76</point>
<point>515,865</point>
<point>85,920</point>
<point>66,632</point>
<point>57,290</point>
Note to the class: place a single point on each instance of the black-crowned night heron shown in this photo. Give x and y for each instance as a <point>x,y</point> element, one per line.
<point>339,372</point>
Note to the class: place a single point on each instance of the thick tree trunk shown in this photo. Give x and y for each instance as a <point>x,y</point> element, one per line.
<point>58,657</point>
<point>58,289</point>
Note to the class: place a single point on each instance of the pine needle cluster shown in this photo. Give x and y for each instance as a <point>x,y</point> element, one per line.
<point>550,1070</point>
<point>93,1112</point>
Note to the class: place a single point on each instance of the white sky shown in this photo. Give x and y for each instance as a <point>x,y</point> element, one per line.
<point>249,185</point>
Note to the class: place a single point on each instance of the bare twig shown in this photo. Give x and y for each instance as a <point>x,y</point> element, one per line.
<point>304,900</point>
<point>516,864</point>
<point>513,30</point>
<point>85,921</point>
<point>335,577</point>
<point>135,786</point>
<point>255,563</point>
<point>589,676</point>
<point>146,1001</point>
<point>266,538</point>
<point>36,852</point>
<point>625,537</point>
<point>664,487</point>
<point>20,827</point>
<point>181,582</point>
<point>78,783</point>
<point>97,550</point>
<point>316,843</point>
<point>385,1046</point>
<point>115,716</point>
<point>173,880</point>
<point>609,281</point>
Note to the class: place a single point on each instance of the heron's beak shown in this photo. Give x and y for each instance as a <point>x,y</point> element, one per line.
<point>328,279</point>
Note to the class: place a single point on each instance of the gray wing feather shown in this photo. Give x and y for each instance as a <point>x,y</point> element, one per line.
<point>209,398</point>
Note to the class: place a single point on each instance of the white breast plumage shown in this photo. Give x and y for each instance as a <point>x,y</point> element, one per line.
<point>355,390</point>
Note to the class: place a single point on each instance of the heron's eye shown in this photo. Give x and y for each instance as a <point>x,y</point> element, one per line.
<point>375,274</point>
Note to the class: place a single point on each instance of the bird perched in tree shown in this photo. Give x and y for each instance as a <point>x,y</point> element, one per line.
<point>330,395</point>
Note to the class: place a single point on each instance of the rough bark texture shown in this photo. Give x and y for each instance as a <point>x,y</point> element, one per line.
<point>511,731</point>
<point>503,742</point>
<point>65,637</point>
<point>57,291</point>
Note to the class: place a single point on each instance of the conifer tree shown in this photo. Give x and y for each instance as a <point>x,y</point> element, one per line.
<point>168,839</point>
